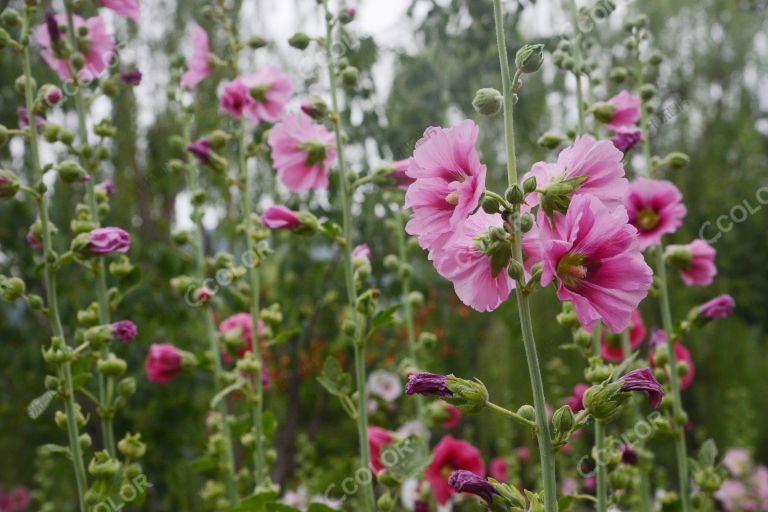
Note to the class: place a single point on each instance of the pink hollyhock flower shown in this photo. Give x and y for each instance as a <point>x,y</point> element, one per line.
<point>280,217</point>
<point>451,454</point>
<point>593,255</point>
<point>733,495</point>
<point>576,400</point>
<point>524,454</point>
<point>124,330</point>
<point>198,65</point>
<point>270,89</point>
<point>454,416</point>
<point>201,149</point>
<point>626,138</point>
<point>450,180</point>
<point>378,438</point>
<point>108,240</point>
<point>18,499</point>
<point>235,97</point>
<point>97,56</point>
<point>681,354</point>
<point>480,281</point>
<point>163,363</point>
<point>244,323</point>
<point>588,166</point>
<point>500,469</point>
<point>719,307</point>
<point>655,208</point>
<point>626,111</point>
<point>610,348</point>
<point>700,269</point>
<point>400,174</point>
<point>362,251</point>
<point>33,240</point>
<point>125,8</point>
<point>302,152</point>
<point>737,461</point>
<point>589,483</point>
<point>569,486</point>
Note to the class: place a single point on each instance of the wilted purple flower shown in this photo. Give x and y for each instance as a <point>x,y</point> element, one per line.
<point>429,384</point>
<point>719,307</point>
<point>643,380</point>
<point>627,138</point>
<point>132,77</point>
<point>629,455</point>
<point>466,481</point>
<point>53,27</point>
<point>201,149</point>
<point>107,240</point>
<point>107,186</point>
<point>124,330</point>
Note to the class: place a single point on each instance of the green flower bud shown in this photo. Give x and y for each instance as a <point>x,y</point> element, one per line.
<point>126,387</point>
<point>603,111</point>
<point>428,340</point>
<point>12,289</point>
<point>529,185</point>
<point>21,85</point>
<point>490,205</point>
<point>9,184</point>
<point>35,302</point>
<point>415,299</point>
<point>655,58</point>
<point>256,42</point>
<point>218,139</point>
<point>122,267</point>
<point>85,441</point>
<point>131,446</point>
<point>5,38</point>
<point>51,383</point>
<point>98,337</point>
<point>51,132</point>
<point>526,222</point>
<point>391,262</point>
<point>71,172</point>
<point>299,40</point>
<point>515,270</point>
<point>386,478</point>
<point>11,18</point>
<point>102,466</point>
<point>529,58</point>
<point>514,194</point>
<point>488,101</point>
<point>109,86</point>
<point>647,91</point>
<point>316,108</point>
<point>527,412</point>
<point>563,420</point>
<point>66,137</point>
<point>598,370</point>
<point>677,160</point>
<point>112,366</point>
<point>604,401</point>
<point>469,396</point>
<point>618,74</point>
<point>366,303</point>
<point>349,76</point>
<point>249,364</point>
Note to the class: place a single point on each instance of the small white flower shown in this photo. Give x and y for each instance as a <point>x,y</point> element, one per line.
<point>385,385</point>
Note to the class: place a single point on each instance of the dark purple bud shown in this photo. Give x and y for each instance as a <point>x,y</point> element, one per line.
<point>23,116</point>
<point>719,307</point>
<point>132,77</point>
<point>466,481</point>
<point>643,380</point>
<point>201,149</point>
<point>53,27</point>
<point>428,384</point>
<point>629,455</point>
<point>420,506</point>
<point>627,138</point>
<point>124,330</point>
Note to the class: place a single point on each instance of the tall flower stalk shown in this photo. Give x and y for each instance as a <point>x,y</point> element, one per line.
<point>358,319</point>
<point>602,476</point>
<point>544,438</point>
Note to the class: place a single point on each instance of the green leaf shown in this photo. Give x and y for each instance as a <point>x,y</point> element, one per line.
<point>49,449</point>
<point>385,316</point>
<point>708,453</point>
<point>319,507</point>
<point>334,379</point>
<point>268,423</point>
<point>283,336</point>
<point>279,507</point>
<point>256,503</point>
<point>38,406</point>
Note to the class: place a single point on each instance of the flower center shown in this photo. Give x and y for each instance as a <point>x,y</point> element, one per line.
<point>315,150</point>
<point>571,269</point>
<point>446,472</point>
<point>647,219</point>
<point>452,198</point>
<point>259,92</point>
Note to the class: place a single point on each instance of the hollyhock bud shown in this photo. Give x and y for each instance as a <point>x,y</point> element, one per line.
<point>299,40</point>
<point>131,446</point>
<point>676,160</point>
<point>124,330</point>
<point>112,366</point>
<point>315,107</point>
<point>563,420</point>
<point>488,101</point>
<point>527,412</point>
<point>5,38</point>
<point>9,184</point>
<point>12,289</point>
<point>102,466</point>
<point>629,455</point>
<point>627,138</point>
<point>551,140</point>
<point>604,401</point>
<point>719,307</point>
<point>98,336</point>
<point>132,77</point>
<point>71,172</point>
<point>101,241</point>
<point>349,76</point>
<point>347,14</point>
<point>469,396</point>
<point>127,387</point>
<point>467,482</point>
<point>52,95</point>
<point>163,363</point>
<point>280,217</point>
<point>529,58</point>
<point>603,111</point>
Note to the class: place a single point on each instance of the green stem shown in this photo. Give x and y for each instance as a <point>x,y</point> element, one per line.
<point>253,271</point>
<point>577,72</point>
<point>646,142</point>
<point>602,477</point>
<point>544,437</point>
<point>359,338</point>
<point>506,412</point>
<point>107,430</point>
<point>674,380</point>
<point>49,279</point>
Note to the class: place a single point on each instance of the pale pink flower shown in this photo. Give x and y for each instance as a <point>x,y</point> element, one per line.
<point>701,269</point>
<point>626,110</point>
<point>302,152</point>
<point>655,208</point>
<point>97,57</point>
<point>235,97</point>
<point>126,8</point>
<point>732,495</point>
<point>597,163</point>
<point>386,385</point>
<point>400,174</point>
<point>450,180</point>
<point>737,461</point>
<point>362,251</point>
<point>593,255</point>
<point>198,65</point>
<point>280,217</point>
<point>466,262</point>
<point>270,90</point>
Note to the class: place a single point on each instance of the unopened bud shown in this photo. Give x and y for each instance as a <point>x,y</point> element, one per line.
<point>603,111</point>
<point>529,58</point>
<point>12,289</point>
<point>299,40</point>
<point>488,101</point>
<point>677,160</point>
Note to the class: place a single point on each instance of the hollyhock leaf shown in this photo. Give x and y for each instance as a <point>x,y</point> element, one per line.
<point>204,464</point>
<point>319,507</point>
<point>385,316</point>
<point>624,366</point>
<point>335,380</point>
<point>708,453</point>
<point>38,406</point>
<point>268,423</point>
<point>409,457</point>
<point>256,503</point>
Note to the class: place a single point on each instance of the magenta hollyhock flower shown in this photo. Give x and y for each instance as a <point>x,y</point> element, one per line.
<point>451,454</point>
<point>163,363</point>
<point>643,380</point>
<point>400,174</point>
<point>655,208</point>
<point>719,307</point>
<point>576,400</point>
<point>280,217</point>
<point>108,240</point>
<point>626,138</point>
<point>626,110</point>
<point>97,56</point>
<point>132,77</point>
<point>450,180</point>
<point>378,438</point>
<point>125,8</point>
<point>466,261</point>
<point>270,89</point>
<point>454,416</point>
<point>33,240</point>
<point>302,153</point>
<point>427,384</point>
<point>201,149</point>
<point>701,269</point>
<point>593,255</point>
<point>597,163</point>
<point>243,322</point>
<point>198,65</point>
<point>610,348</point>
<point>18,499</point>
<point>362,251</point>
<point>235,97</point>
<point>464,481</point>
<point>124,330</point>
<point>499,469</point>
<point>524,454</point>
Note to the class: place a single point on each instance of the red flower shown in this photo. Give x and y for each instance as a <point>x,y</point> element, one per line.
<point>449,455</point>
<point>378,438</point>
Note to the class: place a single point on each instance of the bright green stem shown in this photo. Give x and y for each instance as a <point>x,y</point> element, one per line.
<point>506,412</point>
<point>577,73</point>
<point>602,477</point>
<point>405,286</point>
<point>73,432</point>
<point>359,339</point>
<point>210,330</point>
<point>105,414</point>
<point>544,437</point>
<point>253,271</point>
<point>674,380</point>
